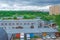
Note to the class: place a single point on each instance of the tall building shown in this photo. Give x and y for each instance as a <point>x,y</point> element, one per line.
<point>54,10</point>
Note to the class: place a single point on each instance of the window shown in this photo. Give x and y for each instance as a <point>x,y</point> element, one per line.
<point>28,23</point>
<point>5,23</point>
<point>17,23</point>
<point>19,27</point>
<point>40,24</point>
<point>13,23</point>
<point>9,23</point>
<point>13,27</point>
<point>2,24</point>
<point>32,26</point>
<point>24,23</point>
<point>32,23</point>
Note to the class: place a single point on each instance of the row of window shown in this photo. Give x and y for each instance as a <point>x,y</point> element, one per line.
<point>16,23</point>
<point>19,27</point>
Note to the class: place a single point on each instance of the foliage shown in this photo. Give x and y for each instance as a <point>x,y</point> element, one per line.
<point>26,14</point>
<point>36,37</point>
<point>14,17</point>
<point>57,20</point>
<point>29,16</point>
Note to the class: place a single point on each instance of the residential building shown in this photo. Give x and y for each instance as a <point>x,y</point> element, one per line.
<point>28,27</point>
<point>54,10</point>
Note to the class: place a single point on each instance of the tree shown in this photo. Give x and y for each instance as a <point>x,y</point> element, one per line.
<point>36,37</point>
<point>26,16</point>
<point>14,17</point>
<point>57,20</point>
<point>47,18</point>
<point>29,16</point>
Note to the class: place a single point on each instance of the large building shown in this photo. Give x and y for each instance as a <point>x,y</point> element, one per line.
<point>28,27</point>
<point>54,10</point>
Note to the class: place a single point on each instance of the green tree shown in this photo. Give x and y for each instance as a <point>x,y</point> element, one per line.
<point>29,16</point>
<point>14,17</point>
<point>47,18</point>
<point>57,20</point>
<point>36,37</point>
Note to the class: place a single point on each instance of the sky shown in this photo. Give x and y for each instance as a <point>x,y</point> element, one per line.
<point>27,4</point>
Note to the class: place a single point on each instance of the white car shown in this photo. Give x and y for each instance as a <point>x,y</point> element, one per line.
<point>22,35</point>
<point>53,36</point>
<point>28,35</point>
<point>48,36</point>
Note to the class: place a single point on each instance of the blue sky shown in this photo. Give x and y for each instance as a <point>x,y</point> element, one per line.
<point>27,4</point>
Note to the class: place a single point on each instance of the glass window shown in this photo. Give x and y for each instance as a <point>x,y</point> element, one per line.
<point>13,23</point>
<point>40,24</point>
<point>2,24</point>
<point>32,23</point>
<point>32,26</point>
<point>13,27</point>
<point>17,23</point>
<point>19,27</point>
<point>5,23</point>
<point>28,23</point>
<point>24,23</point>
<point>9,23</point>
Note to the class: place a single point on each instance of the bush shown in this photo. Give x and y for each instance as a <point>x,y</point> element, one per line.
<point>14,17</point>
<point>36,37</point>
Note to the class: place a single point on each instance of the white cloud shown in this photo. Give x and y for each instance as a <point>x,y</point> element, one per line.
<point>4,6</point>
